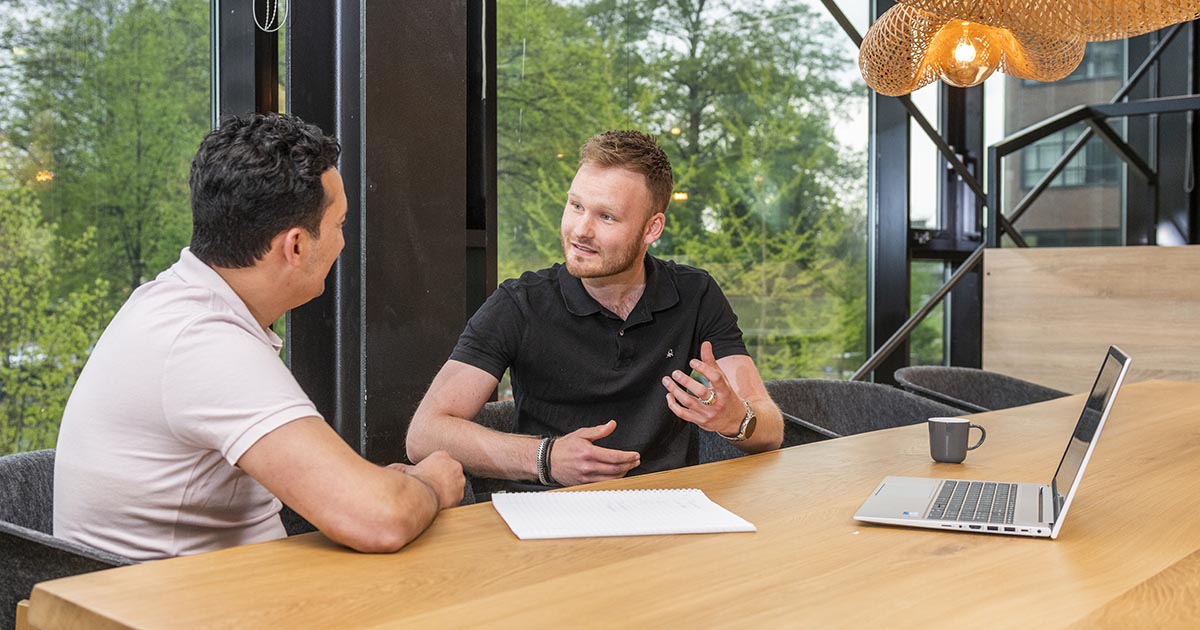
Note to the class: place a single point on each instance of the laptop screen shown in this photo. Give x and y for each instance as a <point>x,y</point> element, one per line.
<point>1098,402</point>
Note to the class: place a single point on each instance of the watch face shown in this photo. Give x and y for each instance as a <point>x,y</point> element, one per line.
<point>749,430</point>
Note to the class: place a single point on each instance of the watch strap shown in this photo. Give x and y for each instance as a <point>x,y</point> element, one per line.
<point>741,434</point>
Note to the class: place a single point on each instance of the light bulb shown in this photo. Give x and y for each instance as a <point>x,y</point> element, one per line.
<point>964,52</point>
<point>972,57</point>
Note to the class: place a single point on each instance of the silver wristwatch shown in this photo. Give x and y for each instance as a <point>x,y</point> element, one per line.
<point>747,428</point>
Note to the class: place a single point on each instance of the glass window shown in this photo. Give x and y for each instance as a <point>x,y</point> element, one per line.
<point>764,115</point>
<point>102,106</point>
<point>925,163</point>
<point>1094,165</point>
<point>1101,60</point>
<point>927,343</point>
<point>1084,204</point>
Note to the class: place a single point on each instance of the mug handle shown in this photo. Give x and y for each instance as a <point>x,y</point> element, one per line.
<point>982,436</point>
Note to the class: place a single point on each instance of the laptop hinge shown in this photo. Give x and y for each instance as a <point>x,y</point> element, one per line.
<point>1045,505</point>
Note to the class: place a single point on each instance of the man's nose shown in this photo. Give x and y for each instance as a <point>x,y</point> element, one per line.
<point>584,227</point>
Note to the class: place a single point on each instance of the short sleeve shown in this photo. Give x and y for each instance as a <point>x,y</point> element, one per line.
<point>718,323</point>
<point>224,388</point>
<point>493,335</point>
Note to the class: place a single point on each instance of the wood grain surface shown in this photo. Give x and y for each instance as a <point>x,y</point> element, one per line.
<point>1050,313</point>
<point>809,564</point>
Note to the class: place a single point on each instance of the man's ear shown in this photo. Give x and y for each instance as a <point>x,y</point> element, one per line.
<point>654,228</point>
<point>292,244</point>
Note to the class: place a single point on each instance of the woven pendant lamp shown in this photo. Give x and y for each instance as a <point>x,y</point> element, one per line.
<point>963,42</point>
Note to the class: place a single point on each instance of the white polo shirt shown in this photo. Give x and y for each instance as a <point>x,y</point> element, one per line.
<point>181,384</point>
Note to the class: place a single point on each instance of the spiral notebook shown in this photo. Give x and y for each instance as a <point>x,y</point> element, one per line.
<point>593,513</point>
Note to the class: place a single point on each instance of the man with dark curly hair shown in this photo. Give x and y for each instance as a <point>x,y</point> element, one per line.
<point>185,430</point>
<point>601,348</point>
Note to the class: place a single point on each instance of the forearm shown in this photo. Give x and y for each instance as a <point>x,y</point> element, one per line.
<point>352,501</point>
<point>482,451</point>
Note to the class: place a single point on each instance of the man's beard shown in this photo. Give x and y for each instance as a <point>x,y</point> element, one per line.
<point>607,265</point>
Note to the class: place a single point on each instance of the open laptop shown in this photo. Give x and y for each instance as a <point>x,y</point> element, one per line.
<point>993,507</point>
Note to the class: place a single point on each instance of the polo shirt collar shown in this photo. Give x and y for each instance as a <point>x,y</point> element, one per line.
<point>195,272</point>
<point>660,293</point>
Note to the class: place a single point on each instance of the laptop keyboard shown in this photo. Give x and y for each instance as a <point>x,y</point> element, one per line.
<point>975,501</point>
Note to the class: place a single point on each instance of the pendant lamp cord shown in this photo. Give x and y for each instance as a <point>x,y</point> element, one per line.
<point>272,13</point>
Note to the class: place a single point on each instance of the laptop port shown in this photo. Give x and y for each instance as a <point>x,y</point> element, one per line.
<point>1010,529</point>
<point>993,528</point>
<point>975,526</point>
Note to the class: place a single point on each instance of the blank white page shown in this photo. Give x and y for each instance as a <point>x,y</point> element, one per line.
<point>585,514</point>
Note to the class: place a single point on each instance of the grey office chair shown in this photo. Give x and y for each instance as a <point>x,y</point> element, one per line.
<point>819,409</point>
<point>293,523</point>
<point>28,552</point>
<point>972,389</point>
<point>715,449</point>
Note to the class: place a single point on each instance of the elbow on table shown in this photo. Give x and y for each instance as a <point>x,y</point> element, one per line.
<point>388,532</point>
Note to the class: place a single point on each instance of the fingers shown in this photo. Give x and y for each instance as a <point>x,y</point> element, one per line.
<point>604,464</point>
<point>715,375</point>
<point>712,407</point>
<point>399,466</point>
<point>684,413</point>
<point>696,388</point>
<point>576,460</point>
<point>442,473</point>
<point>597,432</point>
<point>707,366</point>
<point>615,457</point>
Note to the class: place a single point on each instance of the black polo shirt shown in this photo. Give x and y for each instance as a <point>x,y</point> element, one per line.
<point>575,363</point>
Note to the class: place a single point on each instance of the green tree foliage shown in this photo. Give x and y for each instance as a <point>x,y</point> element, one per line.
<point>741,96</point>
<point>113,100</point>
<point>44,338</point>
<point>107,100</point>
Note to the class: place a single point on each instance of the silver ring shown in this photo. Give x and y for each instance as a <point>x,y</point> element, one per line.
<point>712,396</point>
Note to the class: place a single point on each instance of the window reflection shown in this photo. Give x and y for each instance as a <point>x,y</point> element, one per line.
<point>1083,204</point>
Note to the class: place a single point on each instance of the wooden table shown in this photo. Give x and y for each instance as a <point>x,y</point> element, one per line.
<point>1129,550</point>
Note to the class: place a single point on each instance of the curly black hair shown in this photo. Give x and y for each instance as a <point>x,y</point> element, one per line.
<point>252,178</point>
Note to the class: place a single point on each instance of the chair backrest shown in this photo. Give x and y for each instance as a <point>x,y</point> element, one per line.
<point>27,490</point>
<point>819,409</point>
<point>713,448</point>
<point>972,389</point>
<point>500,415</point>
<point>28,552</point>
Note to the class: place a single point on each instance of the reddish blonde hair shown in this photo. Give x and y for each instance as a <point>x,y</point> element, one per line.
<point>637,152</point>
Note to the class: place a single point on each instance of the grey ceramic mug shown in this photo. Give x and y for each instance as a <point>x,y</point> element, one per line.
<point>948,439</point>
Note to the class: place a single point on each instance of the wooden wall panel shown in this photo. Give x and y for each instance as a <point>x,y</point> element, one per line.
<point>1049,313</point>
